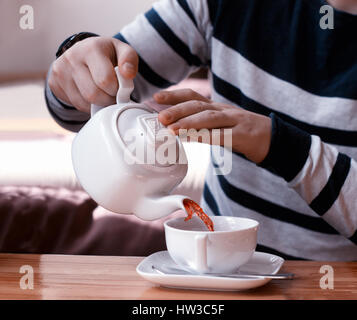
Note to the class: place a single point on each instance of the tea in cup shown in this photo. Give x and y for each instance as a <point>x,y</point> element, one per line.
<point>224,250</point>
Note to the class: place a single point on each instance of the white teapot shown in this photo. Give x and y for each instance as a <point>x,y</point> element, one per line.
<point>116,177</point>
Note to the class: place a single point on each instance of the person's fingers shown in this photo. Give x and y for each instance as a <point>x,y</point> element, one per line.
<point>102,72</point>
<point>181,110</point>
<point>88,88</point>
<point>54,82</point>
<point>63,75</point>
<point>178,96</point>
<point>57,90</point>
<point>75,96</point>
<point>127,58</point>
<point>207,119</point>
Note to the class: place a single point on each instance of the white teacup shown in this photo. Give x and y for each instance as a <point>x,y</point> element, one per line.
<point>224,250</point>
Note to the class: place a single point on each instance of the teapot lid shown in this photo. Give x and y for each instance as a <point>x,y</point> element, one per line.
<point>145,138</point>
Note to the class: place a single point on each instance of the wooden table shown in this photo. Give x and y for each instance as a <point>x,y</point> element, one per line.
<point>104,277</point>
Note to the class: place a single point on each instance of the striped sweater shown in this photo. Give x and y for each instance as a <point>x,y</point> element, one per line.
<point>269,57</point>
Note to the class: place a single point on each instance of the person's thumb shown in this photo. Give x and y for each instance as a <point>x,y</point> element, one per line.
<point>127,59</point>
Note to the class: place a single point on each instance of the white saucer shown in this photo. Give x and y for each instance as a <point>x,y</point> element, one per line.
<point>259,263</point>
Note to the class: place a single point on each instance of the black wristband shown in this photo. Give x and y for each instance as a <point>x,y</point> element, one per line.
<point>69,42</point>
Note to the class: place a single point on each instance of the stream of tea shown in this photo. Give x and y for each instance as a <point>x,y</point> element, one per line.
<point>192,207</point>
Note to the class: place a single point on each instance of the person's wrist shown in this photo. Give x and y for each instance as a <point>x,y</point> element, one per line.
<point>266,140</point>
<point>72,40</point>
<point>258,140</point>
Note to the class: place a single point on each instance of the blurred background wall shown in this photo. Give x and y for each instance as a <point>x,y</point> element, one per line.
<point>28,53</point>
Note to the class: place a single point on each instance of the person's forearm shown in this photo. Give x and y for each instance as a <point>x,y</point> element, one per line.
<point>323,177</point>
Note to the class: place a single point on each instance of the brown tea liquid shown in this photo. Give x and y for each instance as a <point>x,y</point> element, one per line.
<point>192,207</point>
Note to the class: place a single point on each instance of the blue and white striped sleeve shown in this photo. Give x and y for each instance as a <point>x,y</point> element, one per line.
<point>325,178</point>
<point>171,41</point>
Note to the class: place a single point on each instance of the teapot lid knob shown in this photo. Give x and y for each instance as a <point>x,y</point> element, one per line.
<point>126,87</point>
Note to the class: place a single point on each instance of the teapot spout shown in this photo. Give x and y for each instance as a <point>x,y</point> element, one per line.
<point>152,208</point>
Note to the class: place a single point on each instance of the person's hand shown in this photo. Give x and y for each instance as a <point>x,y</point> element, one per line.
<point>85,74</point>
<point>251,132</point>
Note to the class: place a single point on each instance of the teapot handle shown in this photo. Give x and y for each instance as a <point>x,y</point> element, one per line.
<point>126,87</point>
